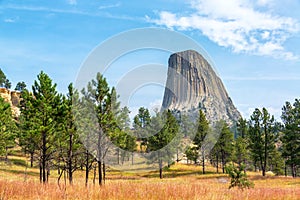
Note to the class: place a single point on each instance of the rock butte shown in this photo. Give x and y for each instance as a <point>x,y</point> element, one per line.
<point>12,97</point>
<point>192,84</point>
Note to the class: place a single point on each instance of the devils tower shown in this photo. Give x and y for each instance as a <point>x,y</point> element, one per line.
<point>192,84</point>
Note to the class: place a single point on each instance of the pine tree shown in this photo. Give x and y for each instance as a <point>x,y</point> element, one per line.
<point>202,131</point>
<point>29,134</point>
<point>4,82</point>
<point>68,144</point>
<point>98,97</point>
<point>262,137</point>
<point>160,143</point>
<point>8,129</point>
<point>140,123</point>
<point>223,149</point>
<point>46,103</point>
<point>241,143</point>
<point>291,135</point>
<point>21,86</point>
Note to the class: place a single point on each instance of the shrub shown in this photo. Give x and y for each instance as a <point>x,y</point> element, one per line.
<point>238,177</point>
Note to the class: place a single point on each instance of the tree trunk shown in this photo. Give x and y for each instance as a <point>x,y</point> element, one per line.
<point>99,172</point>
<point>31,159</point>
<point>87,168</point>
<point>41,174</point>
<point>285,170</point>
<point>223,162</point>
<point>104,171</point>
<point>48,172</point>
<point>43,157</point>
<point>217,159</point>
<point>70,156</point>
<point>160,169</point>
<point>94,178</point>
<point>6,153</point>
<point>203,163</point>
<point>293,168</point>
<point>262,167</point>
<point>266,152</point>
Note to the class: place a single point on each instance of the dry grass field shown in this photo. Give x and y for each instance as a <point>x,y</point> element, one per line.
<point>180,182</point>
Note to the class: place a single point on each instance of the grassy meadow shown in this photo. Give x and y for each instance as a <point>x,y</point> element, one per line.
<point>180,182</point>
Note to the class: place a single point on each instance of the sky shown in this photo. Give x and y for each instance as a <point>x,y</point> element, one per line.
<point>254,45</point>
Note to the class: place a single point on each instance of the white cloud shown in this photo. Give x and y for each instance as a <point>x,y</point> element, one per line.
<point>264,2</point>
<point>9,20</point>
<point>72,2</point>
<point>236,25</point>
<point>110,6</point>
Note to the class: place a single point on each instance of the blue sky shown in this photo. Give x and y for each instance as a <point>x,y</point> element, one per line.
<point>253,44</point>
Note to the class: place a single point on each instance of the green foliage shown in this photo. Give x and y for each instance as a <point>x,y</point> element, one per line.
<point>262,135</point>
<point>223,149</point>
<point>192,154</point>
<point>101,105</point>
<point>4,82</point>
<point>40,112</point>
<point>241,150</point>
<point>238,177</point>
<point>291,134</point>
<point>21,86</point>
<point>202,130</point>
<point>140,124</point>
<point>28,133</point>
<point>162,144</point>
<point>7,128</point>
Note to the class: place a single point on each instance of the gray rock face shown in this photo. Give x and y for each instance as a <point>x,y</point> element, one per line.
<point>192,84</point>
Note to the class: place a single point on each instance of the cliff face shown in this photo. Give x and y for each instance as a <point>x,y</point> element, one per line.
<point>193,84</point>
<point>12,97</point>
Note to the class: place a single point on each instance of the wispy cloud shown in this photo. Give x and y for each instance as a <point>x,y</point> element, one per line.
<point>263,78</point>
<point>236,25</point>
<point>9,20</point>
<point>71,11</point>
<point>110,6</point>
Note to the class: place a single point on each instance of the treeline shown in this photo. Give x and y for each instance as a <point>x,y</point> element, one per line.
<point>259,143</point>
<point>88,130</point>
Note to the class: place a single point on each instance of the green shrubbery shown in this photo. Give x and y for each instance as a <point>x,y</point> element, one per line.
<point>238,176</point>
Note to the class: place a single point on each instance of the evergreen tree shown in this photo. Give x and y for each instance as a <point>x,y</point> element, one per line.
<point>46,104</point>
<point>202,131</point>
<point>21,86</point>
<point>291,135</point>
<point>68,144</point>
<point>262,137</point>
<point>241,143</point>
<point>223,149</point>
<point>99,97</point>
<point>4,82</point>
<point>29,134</point>
<point>140,124</point>
<point>160,143</point>
<point>7,128</point>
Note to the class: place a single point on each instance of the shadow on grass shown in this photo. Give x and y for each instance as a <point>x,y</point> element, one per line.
<point>14,171</point>
<point>174,173</point>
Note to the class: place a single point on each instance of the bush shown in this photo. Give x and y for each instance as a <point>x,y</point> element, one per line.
<point>238,177</point>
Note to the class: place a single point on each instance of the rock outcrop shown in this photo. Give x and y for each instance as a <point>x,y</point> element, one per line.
<point>12,97</point>
<point>192,84</point>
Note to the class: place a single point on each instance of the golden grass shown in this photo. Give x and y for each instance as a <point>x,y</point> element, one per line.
<point>178,188</point>
<point>181,182</point>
